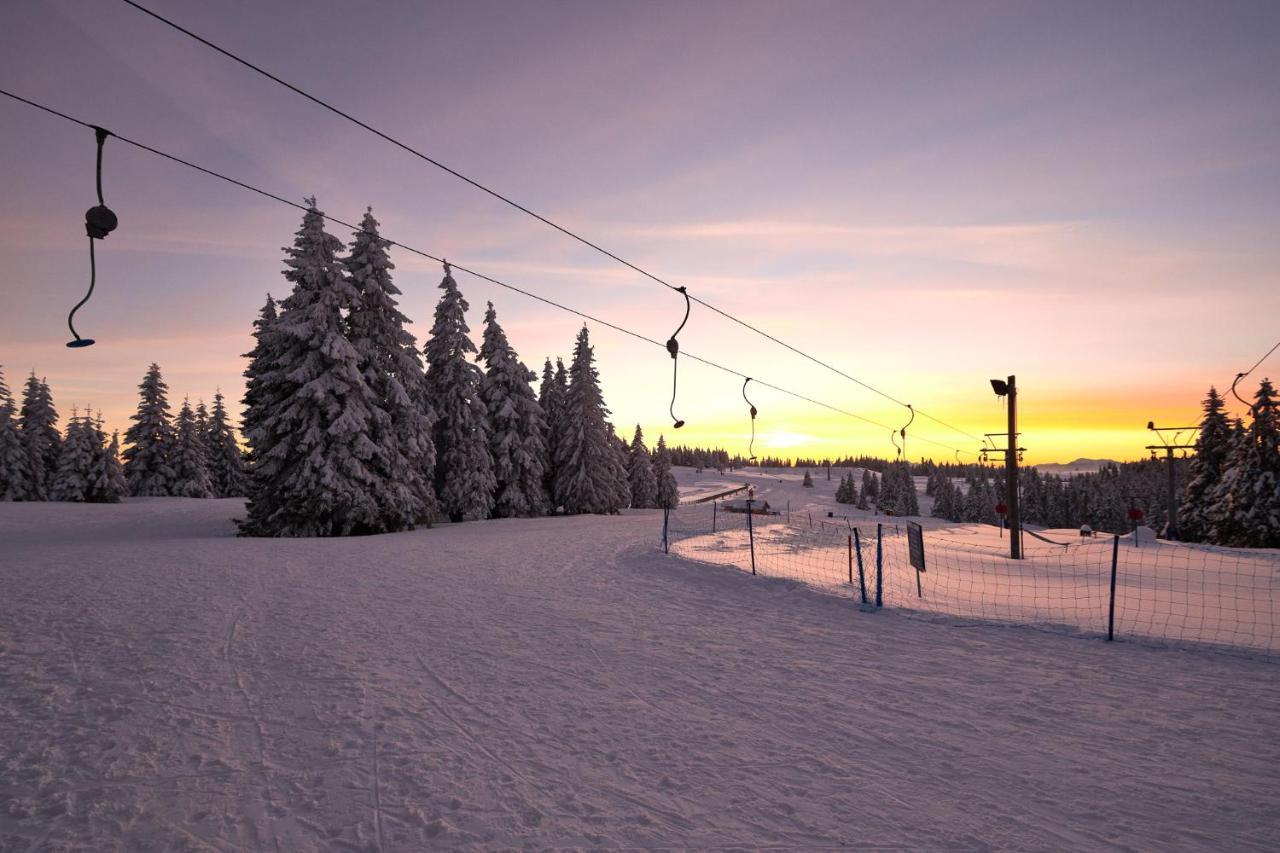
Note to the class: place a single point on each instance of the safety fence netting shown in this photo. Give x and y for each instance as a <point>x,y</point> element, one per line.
<point>1169,592</point>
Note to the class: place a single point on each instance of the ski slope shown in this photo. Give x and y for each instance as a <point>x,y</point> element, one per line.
<point>560,683</point>
<point>1165,591</point>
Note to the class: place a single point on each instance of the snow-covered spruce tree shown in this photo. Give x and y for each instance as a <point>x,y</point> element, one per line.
<point>106,483</point>
<point>862,503</point>
<point>1205,470</point>
<point>808,481</point>
<point>668,492</point>
<point>1225,520</point>
<point>71,480</point>
<point>227,475</point>
<point>37,427</point>
<point>261,384</point>
<point>906,502</point>
<point>316,471</point>
<point>464,465</point>
<point>870,486</point>
<point>644,485</point>
<point>585,476</point>
<point>115,486</point>
<point>188,460</point>
<point>392,367</point>
<point>202,421</point>
<point>13,459</point>
<point>1246,511</point>
<point>146,460</point>
<point>517,440</point>
<point>551,396</point>
<point>618,468</point>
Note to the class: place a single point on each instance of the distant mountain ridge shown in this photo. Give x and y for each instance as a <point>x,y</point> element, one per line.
<point>1079,466</point>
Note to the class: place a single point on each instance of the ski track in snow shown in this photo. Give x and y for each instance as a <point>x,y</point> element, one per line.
<point>561,684</point>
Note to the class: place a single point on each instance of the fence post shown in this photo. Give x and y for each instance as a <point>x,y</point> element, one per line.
<point>850,559</point>
<point>810,521</point>
<point>713,515</point>
<point>751,536</point>
<point>879,564</point>
<point>862,579</point>
<point>1111,615</point>
<point>788,511</point>
<point>666,513</point>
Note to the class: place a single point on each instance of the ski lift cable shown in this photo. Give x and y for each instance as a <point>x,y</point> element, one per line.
<point>516,205</point>
<point>474,273</point>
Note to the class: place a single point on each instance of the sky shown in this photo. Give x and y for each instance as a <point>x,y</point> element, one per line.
<point>923,195</point>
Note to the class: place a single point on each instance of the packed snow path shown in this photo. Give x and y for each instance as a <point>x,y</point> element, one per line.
<point>557,683</point>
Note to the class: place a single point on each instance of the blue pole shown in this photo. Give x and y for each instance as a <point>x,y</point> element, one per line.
<point>879,564</point>
<point>862,580</point>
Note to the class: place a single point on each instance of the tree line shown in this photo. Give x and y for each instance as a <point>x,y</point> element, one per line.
<point>193,455</point>
<point>349,433</point>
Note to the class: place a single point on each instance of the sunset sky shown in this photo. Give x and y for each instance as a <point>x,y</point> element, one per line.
<point>925,195</point>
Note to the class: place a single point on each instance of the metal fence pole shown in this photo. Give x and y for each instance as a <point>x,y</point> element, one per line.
<point>666,513</point>
<point>879,564</point>
<point>862,580</point>
<point>1115,562</point>
<point>850,559</point>
<point>751,536</point>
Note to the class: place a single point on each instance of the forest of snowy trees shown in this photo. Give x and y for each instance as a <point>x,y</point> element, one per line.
<point>351,428</point>
<point>193,455</point>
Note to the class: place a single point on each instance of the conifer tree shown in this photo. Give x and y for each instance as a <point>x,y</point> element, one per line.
<point>464,476</point>
<point>261,385</point>
<point>106,483</point>
<point>585,472</point>
<point>392,367</point>
<point>227,475</point>
<point>202,423</point>
<point>13,458</point>
<point>618,469</point>
<point>640,476</point>
<point>552,397</point>
<point>668,491</point>
<point>311,414</point>
<point>518,427</point>
<point>1246,511</point>
<point>71,481</point>
<point>1204,470</point>
<point>37,426</point>
<point>808,481</point>
<point>906,502</point>
<point>188,460</point>
<point>862,500</point>
<point>115,486</point>
<point>146,460</point>
<point>870,486</point>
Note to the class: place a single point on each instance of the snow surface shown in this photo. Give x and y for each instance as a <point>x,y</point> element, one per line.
<point>1165,591</point>
<point>166,686</point>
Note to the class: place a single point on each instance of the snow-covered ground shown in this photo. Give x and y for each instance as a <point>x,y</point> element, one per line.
<point>166,686</point>
<point>1165,591</point>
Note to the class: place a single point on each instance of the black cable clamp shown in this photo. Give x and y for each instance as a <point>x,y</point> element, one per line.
<point>673,347</point>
